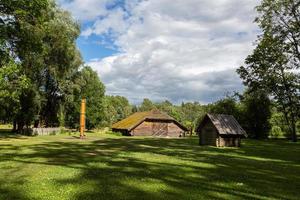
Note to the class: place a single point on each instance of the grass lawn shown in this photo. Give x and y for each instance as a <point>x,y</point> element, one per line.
<point>114,167</point>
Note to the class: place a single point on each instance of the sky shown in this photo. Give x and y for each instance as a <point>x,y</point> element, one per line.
<point>175,50</point>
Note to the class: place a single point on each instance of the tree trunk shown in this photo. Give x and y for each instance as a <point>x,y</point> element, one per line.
<point>14,126</point>
<point>20,125</point>
<point>294,133</point>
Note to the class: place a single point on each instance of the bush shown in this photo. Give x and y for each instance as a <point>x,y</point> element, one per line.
<point>276,132</point>
<point>114,133</point>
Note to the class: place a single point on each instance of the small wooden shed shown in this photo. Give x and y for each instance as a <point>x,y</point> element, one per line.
<point>151,123</point>
<point>220,130</point>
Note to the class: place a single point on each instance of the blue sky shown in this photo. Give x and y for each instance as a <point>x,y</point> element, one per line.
<point>91,48</point>
<point>166,49</point>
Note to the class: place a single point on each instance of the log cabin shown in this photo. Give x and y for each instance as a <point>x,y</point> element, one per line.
<point>151,123</point>
<point>220,130</point>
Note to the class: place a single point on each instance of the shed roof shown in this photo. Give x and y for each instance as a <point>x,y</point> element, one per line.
<point>225,124</point>
<point>137,118</point>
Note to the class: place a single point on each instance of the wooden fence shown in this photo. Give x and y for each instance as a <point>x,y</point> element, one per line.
<point>45,131</point>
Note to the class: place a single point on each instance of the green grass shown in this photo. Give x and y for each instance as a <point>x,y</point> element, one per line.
<point>114,167</point>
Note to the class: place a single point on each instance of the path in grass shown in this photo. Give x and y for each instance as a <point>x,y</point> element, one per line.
<point>112,167</point>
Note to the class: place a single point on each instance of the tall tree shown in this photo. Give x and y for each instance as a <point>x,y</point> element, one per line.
<point>20,35</point>
<point>61,61</point>
<point>40,39</point>
<point>275,62</point>
<point>87,85</point>
<point>256,113</point>
<point>12,85</point>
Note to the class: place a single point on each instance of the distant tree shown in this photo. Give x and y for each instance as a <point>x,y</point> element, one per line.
<point>274,64</point>
<point>134,109</point>
<point>191,114</point>
<point>190,126</point>
<point>256,113</point>
<point>170,109</point>
<point>227,106</point>
<point>116,108</point>
<point>86,85</point>
<point>165,106</point>
<point>277,121</point>
<point>146,105</point>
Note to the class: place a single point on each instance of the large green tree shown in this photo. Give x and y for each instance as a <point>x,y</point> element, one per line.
<point>12,85</point>
<point>256,113</point>
<point>86,84</point>
<point>39,38</point>
<point>21,27</point>
<point>274,64</point>
<point>20,35</point>
<point>61,61</point>
<point>116,108</point>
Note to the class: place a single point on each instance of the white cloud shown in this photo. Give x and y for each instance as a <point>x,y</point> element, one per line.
<point>86,10</point>
<point>114,21</point>
<point>174,49</point>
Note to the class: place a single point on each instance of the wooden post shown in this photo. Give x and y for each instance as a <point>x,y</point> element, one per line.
<point>82,118</point>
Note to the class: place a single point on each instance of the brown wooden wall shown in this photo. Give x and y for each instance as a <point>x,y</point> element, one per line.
<point>229,142</point>
<point>161,129</point>
<point>143,129</point>
<point>174,130</point>
<point>208,134</point>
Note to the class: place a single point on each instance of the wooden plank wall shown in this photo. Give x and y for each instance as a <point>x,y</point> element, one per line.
<point>208,135</point>
<point>149,128</point>
<point>230,142</point>
<point>174,130</point>
<point>144,129</point>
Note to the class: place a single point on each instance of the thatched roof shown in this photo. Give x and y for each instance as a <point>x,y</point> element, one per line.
<point>137,118</point>
<point>225,124</point>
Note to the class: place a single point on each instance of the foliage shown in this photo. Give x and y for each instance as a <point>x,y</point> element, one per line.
<point>170,109</point>
<point>21,27</point>
<point>146,105</point>
<point>38,38</point>
<point>276,132</point>
<point>12,85</point>
<point>274,64</point>
<point>116,108</point>
<point>256,113</point>
<point>227,106</point>
<point>86,84</point>
<point>192,112</point>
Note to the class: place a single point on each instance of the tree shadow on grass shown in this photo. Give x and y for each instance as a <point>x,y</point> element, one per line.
<point>156,168</point>
<point>8,134</point>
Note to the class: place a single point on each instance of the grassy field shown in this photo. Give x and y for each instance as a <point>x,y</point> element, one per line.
<point>114,167</point>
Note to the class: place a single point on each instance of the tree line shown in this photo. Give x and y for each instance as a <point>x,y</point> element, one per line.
<point>43,77</point>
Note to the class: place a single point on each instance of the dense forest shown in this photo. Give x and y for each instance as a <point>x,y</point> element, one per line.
<point>43,77</point>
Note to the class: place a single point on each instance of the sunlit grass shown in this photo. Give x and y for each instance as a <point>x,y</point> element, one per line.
<point>105,166</point>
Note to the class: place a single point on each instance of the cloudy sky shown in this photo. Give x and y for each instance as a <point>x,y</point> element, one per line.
<point>176,50</point>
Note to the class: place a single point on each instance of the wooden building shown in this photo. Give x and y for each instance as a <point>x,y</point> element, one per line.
<point>220,130</point>
<point>151,123</point>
